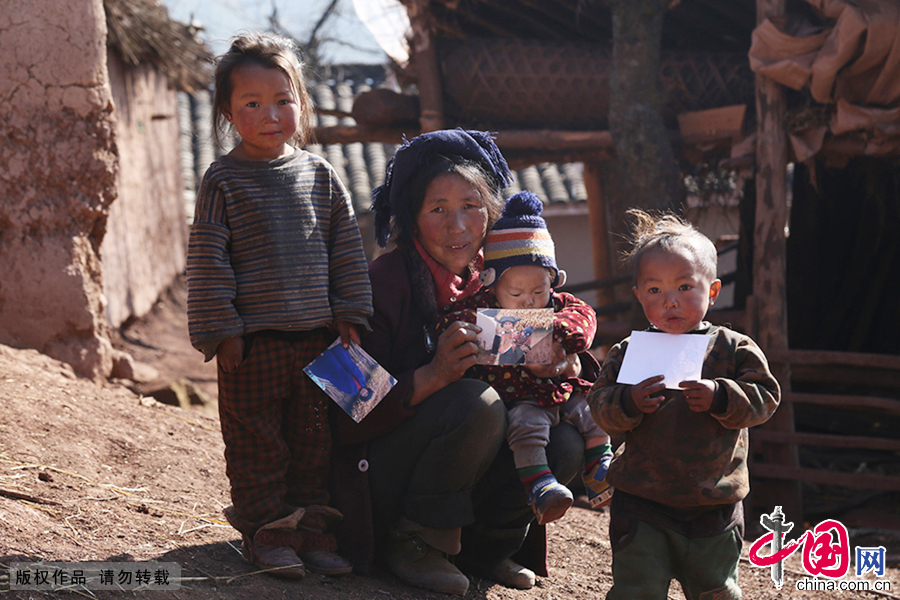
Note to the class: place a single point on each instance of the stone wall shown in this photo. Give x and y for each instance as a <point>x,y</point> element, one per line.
<point>146,240</point>
<point>58,162</point>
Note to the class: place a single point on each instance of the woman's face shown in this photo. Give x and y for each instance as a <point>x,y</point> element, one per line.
<point>452,222</point>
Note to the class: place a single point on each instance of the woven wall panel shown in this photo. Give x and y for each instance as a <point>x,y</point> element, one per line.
<point>532,84</point>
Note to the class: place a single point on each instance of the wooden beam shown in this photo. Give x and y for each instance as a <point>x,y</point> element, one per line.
<point>825,440</point>
<point>702,126</point>
<point>341,114</point>
<point>428,75</point>
<point>533,141</point>
<point>769,263</point>
<point>547,139</point>
<point>599,228</point>
<point>826,358</point>
<point>886,405</point>
<point>823,477</point>
<point>346,134</point>
<point>519,159</point>
<point>534,145</point>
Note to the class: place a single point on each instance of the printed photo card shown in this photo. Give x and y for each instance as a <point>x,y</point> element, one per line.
<point>352,378</point>
<point>515,336</point>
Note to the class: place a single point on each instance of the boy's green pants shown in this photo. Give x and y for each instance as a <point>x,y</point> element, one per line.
<point>707,568</point>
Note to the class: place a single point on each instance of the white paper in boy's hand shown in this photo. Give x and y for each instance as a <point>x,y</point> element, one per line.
<point>678,357</point>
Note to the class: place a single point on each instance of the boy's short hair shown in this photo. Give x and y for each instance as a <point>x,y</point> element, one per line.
<point>669,232</point>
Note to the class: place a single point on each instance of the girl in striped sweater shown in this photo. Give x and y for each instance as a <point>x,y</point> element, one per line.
<point>276,270</point>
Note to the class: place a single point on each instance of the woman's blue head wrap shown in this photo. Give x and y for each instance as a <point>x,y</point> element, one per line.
<point>391,197</point>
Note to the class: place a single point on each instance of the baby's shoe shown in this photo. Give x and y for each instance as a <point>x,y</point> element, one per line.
<point>549,499</point>
<point>598,490</point>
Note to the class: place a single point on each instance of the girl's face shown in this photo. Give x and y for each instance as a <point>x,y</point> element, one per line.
<point>264,110</point>
<point>452,222</point>
<point>524,286</point>
<point>674,293</point>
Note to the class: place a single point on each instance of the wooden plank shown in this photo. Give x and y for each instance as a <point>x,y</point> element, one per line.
<point>825,440</point>
<point>600,246</point>
<point>887,405</point>
<point>346,134</point>
<point>428,74</point>
<point>547,139</point>
<point>520,159</point>
<point>770,260</point>
<point>769,242</point>
<point>823,477</point>
<point>828,358</point>
<point>714,124</point>
<point>537,140</point>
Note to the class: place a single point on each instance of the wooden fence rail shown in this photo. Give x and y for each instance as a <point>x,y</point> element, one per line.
<point>826,440</point>
<point>826,358</point>
<point>881,405</point>
<point>825,477</point>
<point>886,405</point>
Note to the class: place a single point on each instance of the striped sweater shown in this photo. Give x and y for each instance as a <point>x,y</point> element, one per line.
<point>274,245</point>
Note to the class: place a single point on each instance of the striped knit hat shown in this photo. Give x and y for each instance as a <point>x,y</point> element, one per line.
<point>519,237</point>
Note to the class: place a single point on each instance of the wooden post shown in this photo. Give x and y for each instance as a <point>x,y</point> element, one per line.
<point>769,267</point>
<point>428,72</point>
<point>599,228</point>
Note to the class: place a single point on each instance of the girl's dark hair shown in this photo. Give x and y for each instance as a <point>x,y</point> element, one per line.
<point>403,222</point>
<point>269,51</point>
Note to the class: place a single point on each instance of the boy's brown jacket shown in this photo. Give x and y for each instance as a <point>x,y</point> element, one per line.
<point>675,456</point>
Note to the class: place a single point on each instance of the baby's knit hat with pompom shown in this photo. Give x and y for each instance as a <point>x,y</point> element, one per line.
<point>520,237</point>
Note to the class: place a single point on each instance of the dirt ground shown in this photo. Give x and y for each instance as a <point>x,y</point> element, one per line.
<point>94,472</point>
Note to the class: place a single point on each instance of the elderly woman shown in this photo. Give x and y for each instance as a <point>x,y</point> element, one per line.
<point>427,473</point>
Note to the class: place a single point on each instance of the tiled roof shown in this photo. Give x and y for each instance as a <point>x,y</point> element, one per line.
<point>360,166</point>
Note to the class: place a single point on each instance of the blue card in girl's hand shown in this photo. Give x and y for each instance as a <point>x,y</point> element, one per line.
<point>352,378</point>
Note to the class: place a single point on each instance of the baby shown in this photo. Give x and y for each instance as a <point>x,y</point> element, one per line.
<point>521,272</point>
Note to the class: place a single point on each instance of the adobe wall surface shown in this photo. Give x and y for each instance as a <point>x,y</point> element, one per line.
<point>145,246</point>
<point>57,180</point>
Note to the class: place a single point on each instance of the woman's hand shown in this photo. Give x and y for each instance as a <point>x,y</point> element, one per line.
<point>647,395</point>
<point>456,352</point>
<point>559,362</point>
<point>348,331</point>
<point>230,353</point>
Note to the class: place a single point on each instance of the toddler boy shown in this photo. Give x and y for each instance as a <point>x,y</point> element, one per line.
<point>682,473</point>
